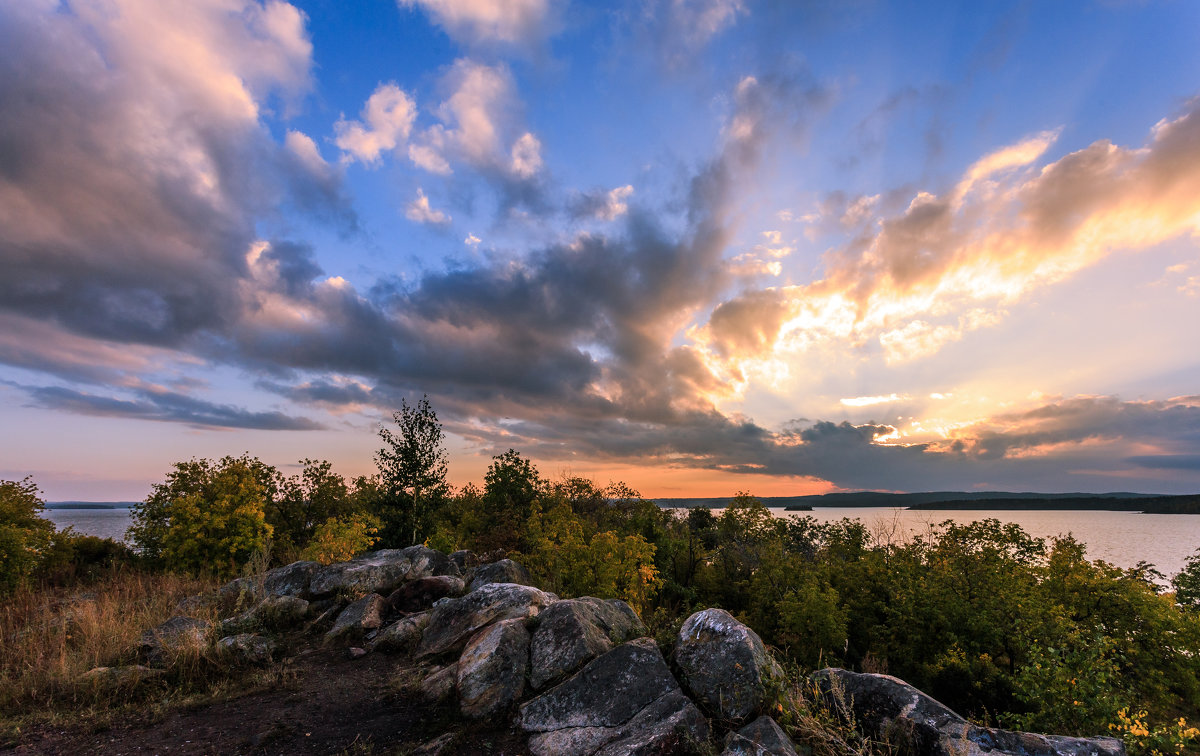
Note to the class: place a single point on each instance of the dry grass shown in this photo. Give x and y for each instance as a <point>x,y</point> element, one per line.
<point>49,637</point>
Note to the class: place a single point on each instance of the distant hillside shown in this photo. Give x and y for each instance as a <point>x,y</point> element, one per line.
<point>1122,500</point>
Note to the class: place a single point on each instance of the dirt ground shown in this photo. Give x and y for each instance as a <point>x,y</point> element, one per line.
<point>327,704</point>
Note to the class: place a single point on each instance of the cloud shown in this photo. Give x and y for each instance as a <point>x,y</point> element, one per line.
<point>948,265</point>
<point>480,125</point>
<point>419,211</point>
<point>602,205</point>
<point>165,406</point>
<point>387,119</point>
<point>134,165</point>
<point>510,23</point>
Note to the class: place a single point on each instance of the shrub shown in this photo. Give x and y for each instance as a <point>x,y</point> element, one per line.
<point>341,538</point>
<point>25,538</point>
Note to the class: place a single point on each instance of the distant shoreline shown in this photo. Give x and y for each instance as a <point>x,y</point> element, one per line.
<point>967,500</point>
<point>90,504</point>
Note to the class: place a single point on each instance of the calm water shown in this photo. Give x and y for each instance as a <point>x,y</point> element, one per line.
<point>106,523</point>
<point>1120,538</point>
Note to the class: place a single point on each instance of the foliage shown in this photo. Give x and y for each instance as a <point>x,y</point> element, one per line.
<point>305,502</point>
<point>1187,583</point>
<point>1164,740</point>
<point>412,474</point>
<point>341,538</point>
<point>25,537</point>
<point>207,517</point>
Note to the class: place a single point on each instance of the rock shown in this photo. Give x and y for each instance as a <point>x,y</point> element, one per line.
<point>380,571</point>
<point>419,594</point>
<point>160,645</point>
<point>504,571</point>
<point>354,652</point>
<point>890,707</point>
<point>464,560</point>
<point>291,580</point>
<point>358,618</point>
<point>240,592</point>
<point>762,737</point>
<point>198,604</point>
<point>724,665</point>
<point>247,648</point>
<point>119,677</point>
<point>454,621</point>
<point>403,635</point>
<point>271,613</point>
<point>491,670</point>
<point>440,683</point>
<point>625,701</point>
<point>573,632</point>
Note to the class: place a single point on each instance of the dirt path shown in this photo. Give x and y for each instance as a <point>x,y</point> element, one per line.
<point>330,705</point>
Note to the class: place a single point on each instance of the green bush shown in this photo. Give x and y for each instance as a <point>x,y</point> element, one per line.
<point>25,537</point>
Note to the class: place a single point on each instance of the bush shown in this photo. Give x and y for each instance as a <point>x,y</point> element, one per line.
<point>25,538</point>
<point>341,538</point>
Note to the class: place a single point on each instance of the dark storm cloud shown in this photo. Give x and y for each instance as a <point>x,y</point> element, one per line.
<point>165,406</point>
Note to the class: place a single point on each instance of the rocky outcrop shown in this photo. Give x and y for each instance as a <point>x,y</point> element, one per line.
<point>577,672</point>
<point>380,571</point>
<point>291,580</point>
<point>573,632</point>
<point>247,648</point>
<point>724,665</point>
<point>762,737</point>
<point>625,701</point>
<point>491,670</point>
<point>403,635</point>
<point>158,646</point>
<point>358,619</point>
<point>421,593</point>
<point>454,621</point>
<point>503,571</point>
<point>274,612</point>
<point>893,709</point>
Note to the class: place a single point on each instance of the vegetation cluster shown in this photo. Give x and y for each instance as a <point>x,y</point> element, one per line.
<point>1006,628</point>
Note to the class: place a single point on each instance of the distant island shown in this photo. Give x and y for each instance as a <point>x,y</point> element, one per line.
<point>1122,501</point>
<point>90,504</point>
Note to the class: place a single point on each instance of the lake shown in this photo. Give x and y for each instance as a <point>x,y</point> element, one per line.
<point>1120,538</point>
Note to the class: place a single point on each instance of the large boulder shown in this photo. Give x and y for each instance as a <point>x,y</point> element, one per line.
<point>889,707</point>
<point>571,633</point>
<point>291,580</point>
<point>454,621</point>
<point>439,684</point>
<point>625,701</point>
<point>762,737</point>
<point>272,613</point>
<point>724,665</point>
<point>178,636</point>
<point>418,595</point>
<point>503,571</point>
<point>491,670</point>
<point>403,635</point>
<point>358,619</point>
<point>247,648</point>
<point>380,571</point>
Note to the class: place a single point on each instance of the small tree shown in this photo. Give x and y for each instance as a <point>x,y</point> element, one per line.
<point>412,472</point>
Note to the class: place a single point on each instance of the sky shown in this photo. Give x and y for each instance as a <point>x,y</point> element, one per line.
<point>699,246</point>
